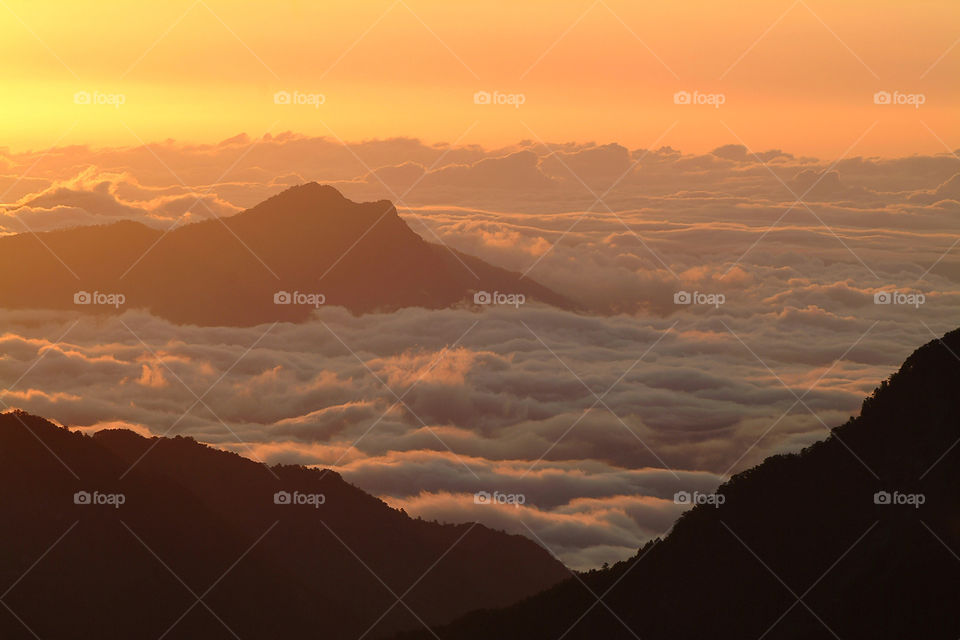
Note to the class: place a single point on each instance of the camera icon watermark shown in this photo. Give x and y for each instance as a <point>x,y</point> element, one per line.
<point>115,500</point>
<point>301,499</point>
<point>115,300</point>
<point>685,297</point>
<point>896,498</point>
<point>897,98</point>
<point>485,497</point>
<point>499,98</point>
<point>898,298</point>
<point>98,98</point>
<point>298,98</point>
<point>696,498</point>
<point>714,100</point>
<point>498,298</point>
<point>299,298</point>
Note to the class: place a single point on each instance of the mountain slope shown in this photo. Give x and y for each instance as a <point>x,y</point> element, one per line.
<point>803,526</point>
<point>209,519</point>
<point>308,239</point>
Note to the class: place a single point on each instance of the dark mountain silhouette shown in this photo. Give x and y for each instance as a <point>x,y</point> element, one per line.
<point>265,570</point>
<point>796,526</point>
<point>308,239</point>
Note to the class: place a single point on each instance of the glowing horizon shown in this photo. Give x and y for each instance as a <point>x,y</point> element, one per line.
<point>201,72</point>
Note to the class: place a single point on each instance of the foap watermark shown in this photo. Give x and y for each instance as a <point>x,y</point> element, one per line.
<point>910,99</point>
<point>114,500</point>
<point>499,98</point>
<point>696,98</point>
<point>99,298</point>
<point>299,98</point>
<point>512,299</point>
<point>100,98</point>
<point>298,297</point>
<point>697,297</point>
<point>296,498</point>
<point>899,298</point>
<point>900,499</point>
<point>485,497</point>
<point>695,498</point>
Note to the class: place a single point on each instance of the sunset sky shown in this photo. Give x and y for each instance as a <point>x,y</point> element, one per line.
<point>798,157</point>
<point>797,75</point>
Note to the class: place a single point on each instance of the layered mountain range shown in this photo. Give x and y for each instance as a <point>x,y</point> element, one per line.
<point>305,247</point>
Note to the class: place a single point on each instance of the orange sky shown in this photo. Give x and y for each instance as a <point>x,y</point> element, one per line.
<point>794,74</point>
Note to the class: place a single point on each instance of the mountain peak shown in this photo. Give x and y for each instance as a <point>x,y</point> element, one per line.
<point>312,203</point>
<point>226,271</point>
<point>312,192</point>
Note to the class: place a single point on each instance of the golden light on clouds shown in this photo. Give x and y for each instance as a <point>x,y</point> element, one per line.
<point>799,76</point>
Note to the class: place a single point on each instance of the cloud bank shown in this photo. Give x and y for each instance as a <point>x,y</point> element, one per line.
<point>596,418</point>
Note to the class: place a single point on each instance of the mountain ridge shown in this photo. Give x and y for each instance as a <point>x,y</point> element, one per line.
<point>854,537</point>
<point>194,518</point>
<point>307,239</point>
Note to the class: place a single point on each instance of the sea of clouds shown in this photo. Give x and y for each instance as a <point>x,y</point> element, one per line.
<point>809,281</point>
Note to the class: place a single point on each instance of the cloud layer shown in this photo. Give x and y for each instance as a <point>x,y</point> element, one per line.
<point>596,418</point>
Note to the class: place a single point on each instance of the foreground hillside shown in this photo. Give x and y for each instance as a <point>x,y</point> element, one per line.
<point>804,546</point>
<point>116,536</point>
